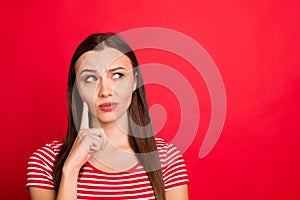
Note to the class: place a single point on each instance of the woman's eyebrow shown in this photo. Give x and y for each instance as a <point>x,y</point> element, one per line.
<point>88,70</point>
<point>116,68</point>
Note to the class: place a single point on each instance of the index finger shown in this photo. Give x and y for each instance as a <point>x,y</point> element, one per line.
<point>85,117</point>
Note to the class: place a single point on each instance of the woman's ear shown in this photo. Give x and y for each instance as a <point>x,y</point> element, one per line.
<point>135,81</point>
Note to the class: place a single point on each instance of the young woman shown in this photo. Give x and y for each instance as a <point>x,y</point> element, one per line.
<point>109,151</point>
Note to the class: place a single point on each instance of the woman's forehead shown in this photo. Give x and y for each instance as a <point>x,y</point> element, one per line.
<point>102,60</point>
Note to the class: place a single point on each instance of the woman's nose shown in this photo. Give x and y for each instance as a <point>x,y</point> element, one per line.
<point>104,88</point>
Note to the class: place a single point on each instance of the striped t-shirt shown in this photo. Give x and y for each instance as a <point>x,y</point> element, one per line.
<point>96,184</point>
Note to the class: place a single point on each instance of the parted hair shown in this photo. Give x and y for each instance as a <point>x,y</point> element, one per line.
<point>141,137</point>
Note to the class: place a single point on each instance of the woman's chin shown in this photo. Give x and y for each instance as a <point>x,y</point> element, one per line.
<point>106,120</point>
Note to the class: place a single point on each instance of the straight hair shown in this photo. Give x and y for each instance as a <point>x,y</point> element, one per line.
<point>141,137</point>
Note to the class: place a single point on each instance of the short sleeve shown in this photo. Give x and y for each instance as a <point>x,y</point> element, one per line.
<point>40,167</point>
<point>174,168</point>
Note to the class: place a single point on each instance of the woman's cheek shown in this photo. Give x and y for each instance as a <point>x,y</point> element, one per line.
<point>125,94</point>
<point>87,93</point>
<point>124,91</point>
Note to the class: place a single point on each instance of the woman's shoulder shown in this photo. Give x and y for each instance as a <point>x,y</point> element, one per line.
<point>53,146</point>
<point>40,166</point>
<point>47,152</point>
<point>173,165</point>
<point>167,150</point>
<point>162,144</point>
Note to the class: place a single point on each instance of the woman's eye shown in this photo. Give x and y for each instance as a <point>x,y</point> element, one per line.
<point>117,75</point>
<point>91,79</point>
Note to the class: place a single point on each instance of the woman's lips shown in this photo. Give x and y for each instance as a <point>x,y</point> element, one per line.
<point>107,107</point>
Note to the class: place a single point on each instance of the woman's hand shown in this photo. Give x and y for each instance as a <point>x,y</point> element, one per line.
<point>88,141</point>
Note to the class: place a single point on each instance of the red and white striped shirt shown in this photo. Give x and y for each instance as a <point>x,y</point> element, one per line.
<point>96,184</point>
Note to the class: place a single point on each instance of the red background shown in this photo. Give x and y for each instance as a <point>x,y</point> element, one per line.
<point>255,45</point>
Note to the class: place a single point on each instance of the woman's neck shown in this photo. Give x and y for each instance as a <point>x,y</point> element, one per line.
<point>116,132</point>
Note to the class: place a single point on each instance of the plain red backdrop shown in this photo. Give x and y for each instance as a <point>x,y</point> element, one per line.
<point>255,45</point>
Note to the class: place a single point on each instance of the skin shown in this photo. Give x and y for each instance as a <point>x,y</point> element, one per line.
<point>105,137</point>
<point>111,80</point>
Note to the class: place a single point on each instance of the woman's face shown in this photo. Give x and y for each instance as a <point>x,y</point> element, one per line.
<point>105,81</point>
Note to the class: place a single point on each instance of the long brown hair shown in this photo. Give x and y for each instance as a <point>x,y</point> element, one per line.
<point>141,137</point>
